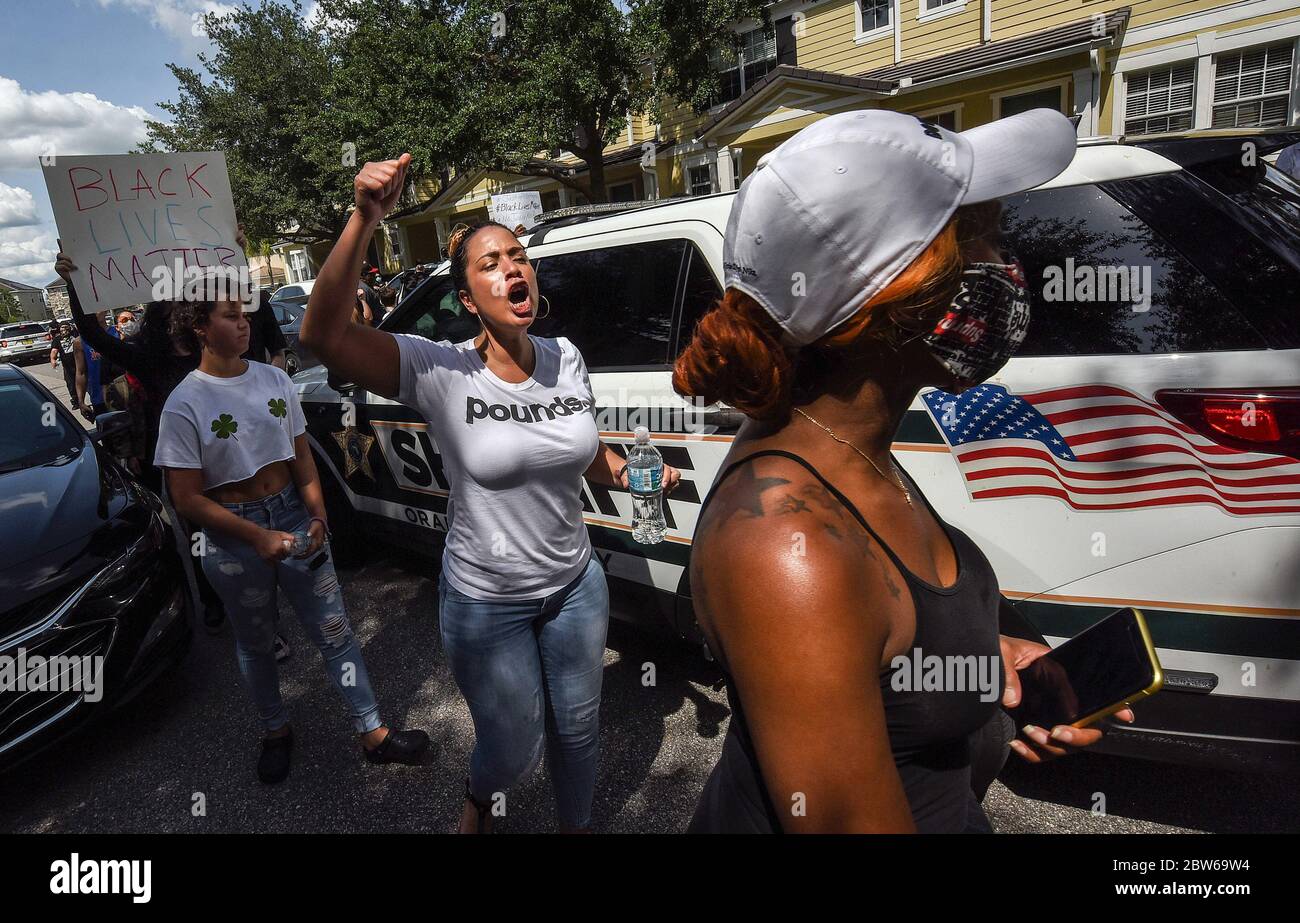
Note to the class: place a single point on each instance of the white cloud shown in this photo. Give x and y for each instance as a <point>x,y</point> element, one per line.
<point>56,123</point>
<point>181,19</point>
<point>17,208</point>
<point>27,255</point>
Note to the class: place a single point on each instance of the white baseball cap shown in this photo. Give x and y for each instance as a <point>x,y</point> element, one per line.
<point>836,212</point>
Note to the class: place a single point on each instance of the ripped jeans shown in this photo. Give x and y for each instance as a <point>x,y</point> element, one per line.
<point>247,586</point>
<point>530,671</point>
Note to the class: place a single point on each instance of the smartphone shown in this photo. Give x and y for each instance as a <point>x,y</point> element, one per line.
<point>1096,673</point>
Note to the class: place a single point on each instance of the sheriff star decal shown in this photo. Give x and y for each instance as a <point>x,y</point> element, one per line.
<point>355,447</point>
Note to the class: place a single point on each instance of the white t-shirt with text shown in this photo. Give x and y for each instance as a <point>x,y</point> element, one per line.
<point>514,455</point>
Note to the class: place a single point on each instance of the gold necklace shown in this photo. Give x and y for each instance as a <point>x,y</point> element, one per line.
<point>896,480</point>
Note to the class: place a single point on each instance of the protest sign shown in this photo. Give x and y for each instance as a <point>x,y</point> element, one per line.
<point>515,208</point>
<point>138,224</point>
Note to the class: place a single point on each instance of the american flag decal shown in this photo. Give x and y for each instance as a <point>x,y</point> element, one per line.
<point>1098,447</point>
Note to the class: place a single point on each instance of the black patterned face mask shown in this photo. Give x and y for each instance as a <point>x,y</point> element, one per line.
<point>986,323</point>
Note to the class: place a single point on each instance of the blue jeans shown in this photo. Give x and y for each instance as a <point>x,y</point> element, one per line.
<point>530,670</point>
<point>247,585</point>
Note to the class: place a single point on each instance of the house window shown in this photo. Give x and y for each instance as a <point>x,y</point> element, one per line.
<point>875,13</point>
<point>700,179</point>
<point>1047,98</point>
<point>623,192</point>
<point>1160,100</point>
<point>741,67</point>
<point>297,266</point>
<point>1252,87</point>
<point>945,119</point>
<point>931,6</point>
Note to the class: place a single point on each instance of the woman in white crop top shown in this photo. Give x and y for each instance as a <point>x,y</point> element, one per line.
<point>232,443</point>
<point>523,602</point>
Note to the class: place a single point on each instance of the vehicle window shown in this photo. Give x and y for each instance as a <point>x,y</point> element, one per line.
<point>435,312</point>
<point>23,330</point>
<point>25,438</point>
<point>1102,280</point>
<point>615,304</point>
<point>1241,228</point>
<point>288,291</point>
<point>701,293</point>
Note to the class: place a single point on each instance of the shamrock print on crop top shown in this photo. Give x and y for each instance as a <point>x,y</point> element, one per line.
<point>231,428</point>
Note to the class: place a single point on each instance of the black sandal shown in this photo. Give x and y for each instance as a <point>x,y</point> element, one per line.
<point>483,809</point>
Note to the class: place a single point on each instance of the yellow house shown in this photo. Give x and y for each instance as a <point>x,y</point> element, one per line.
<point>1119,68</point>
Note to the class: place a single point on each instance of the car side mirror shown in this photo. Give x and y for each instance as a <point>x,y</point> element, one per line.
<point>108,425</point>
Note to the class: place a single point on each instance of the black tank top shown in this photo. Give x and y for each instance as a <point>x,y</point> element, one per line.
<point>929,731</point>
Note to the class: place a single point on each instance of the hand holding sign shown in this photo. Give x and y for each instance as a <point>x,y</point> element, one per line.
<point>378,185</point>
<point>518,210</point>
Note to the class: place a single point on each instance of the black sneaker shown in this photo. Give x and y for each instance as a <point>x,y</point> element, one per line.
<point>400,747</point>
<point>273,764</point>
<point>282,649</point>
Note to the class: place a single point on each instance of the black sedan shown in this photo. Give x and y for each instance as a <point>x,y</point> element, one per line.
<point>93,597</point>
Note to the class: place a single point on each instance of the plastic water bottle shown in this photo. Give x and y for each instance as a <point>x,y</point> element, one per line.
<point>645,479</point>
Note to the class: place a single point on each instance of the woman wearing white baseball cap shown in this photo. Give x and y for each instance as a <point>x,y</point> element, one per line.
<point>861,265</point>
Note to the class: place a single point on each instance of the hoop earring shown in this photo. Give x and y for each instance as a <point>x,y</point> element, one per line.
<point>548,308</point>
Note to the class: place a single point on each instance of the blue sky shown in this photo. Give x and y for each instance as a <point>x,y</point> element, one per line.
<point>80,76</point>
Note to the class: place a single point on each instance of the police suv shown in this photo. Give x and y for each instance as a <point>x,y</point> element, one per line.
<point>1142,448</point>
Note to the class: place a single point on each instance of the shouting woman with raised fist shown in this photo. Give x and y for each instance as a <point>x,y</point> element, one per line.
<point>523,603</point>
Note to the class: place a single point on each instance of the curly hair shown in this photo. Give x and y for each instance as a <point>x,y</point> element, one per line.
<point>186,316</point>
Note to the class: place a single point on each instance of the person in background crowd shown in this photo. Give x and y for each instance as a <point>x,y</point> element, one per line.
<point>266,341</point>
<point>233,443</point>
<point>127,325</point>
<point>361,312</point>
<point>821,739</point>
<point>63,352</point>
<point>92,370</point>
<point>159,363</point>
<point>367,282</point>
<point>523,602</point>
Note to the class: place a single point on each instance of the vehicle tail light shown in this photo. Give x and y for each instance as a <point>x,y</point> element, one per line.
<point>1263,420</point>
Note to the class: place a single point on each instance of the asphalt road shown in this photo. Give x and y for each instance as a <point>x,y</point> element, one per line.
<point>192,737</point>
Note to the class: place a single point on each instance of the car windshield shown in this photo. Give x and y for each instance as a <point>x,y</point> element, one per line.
<point>32,430</point>
<point>434,311</point>
<point>22,330</point>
